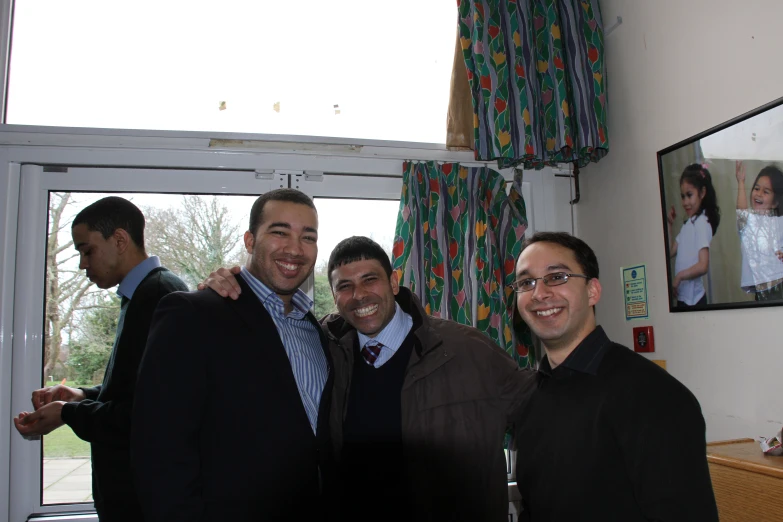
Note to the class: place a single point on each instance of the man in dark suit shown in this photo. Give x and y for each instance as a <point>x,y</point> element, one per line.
<point>109,236</point>
<point>231,410</point>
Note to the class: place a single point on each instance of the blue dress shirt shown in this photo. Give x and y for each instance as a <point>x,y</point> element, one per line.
<point>301,340</point>
<point>137,274</point>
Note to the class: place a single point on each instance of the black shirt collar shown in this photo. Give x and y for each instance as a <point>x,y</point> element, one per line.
<point>586,357</point>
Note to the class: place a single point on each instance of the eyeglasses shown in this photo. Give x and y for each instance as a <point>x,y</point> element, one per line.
<point>555,279</point>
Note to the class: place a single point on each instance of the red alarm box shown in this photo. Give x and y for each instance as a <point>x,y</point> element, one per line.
<point>643,339</point>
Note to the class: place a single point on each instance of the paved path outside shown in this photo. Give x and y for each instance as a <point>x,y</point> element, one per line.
<point>67,480</point>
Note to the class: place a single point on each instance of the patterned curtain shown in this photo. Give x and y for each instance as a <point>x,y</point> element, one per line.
<point>538,79</point>
<point>457,239</point>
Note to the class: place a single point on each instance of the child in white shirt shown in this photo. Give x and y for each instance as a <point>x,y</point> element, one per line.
<point>692,244</point>
<point>760,229</point>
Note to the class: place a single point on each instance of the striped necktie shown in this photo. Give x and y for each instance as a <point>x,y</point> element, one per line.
<point>371,351</point>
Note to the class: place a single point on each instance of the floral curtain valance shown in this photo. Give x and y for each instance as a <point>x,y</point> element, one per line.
<point>538,80</point>
<point>457,239</point>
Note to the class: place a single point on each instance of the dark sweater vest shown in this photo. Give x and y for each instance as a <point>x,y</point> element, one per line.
<point>372,466</point>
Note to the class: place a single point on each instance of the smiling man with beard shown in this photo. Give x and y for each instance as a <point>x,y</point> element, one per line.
<point>109,237</point>
<point>607,434</point>
<point>231,410</point>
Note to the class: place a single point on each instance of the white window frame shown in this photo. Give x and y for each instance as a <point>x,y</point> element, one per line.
<point>35,186</point>
<point>99,160</point>
<point>6,15</point>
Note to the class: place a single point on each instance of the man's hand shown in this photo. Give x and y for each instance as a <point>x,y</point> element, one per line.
<point>41,422</point>
<point>223,282</point>
<point>21,431</point>
<point>60,392</point>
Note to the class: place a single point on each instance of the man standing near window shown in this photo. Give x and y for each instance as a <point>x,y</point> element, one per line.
<point>231,409</point>
<point>607,434</point>
<point>109,236</point>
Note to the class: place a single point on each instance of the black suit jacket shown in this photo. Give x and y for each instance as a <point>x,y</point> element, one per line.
<point>104,418</point>
<point>219,429</point>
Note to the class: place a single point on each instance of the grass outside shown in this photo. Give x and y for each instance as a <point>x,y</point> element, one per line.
<point>72,384</point>
<point>63,442</point>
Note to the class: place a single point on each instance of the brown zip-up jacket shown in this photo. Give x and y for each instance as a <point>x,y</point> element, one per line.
<point>459,395</point>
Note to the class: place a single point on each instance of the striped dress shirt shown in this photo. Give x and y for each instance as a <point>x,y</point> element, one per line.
<point>301,341</point>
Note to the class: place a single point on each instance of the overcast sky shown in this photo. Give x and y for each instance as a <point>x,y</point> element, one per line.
<point>169,64</point>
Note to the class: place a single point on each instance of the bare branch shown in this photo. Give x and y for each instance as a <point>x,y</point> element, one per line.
<point>76,299</point>
<point>66,246</point>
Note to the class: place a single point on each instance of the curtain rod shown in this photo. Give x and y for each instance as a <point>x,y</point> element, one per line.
<point>614,26</point>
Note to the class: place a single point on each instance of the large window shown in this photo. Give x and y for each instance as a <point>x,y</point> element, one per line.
<point>193,235</point>
<point>71,340</point>
<point>347,68</point>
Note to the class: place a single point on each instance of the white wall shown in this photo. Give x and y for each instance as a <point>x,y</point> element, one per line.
<point>676,68</point>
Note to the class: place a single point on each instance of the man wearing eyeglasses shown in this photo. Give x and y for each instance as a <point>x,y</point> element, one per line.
<point>607,434</point>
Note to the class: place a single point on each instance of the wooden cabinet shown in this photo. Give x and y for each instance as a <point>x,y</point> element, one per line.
<point>748,485</point>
